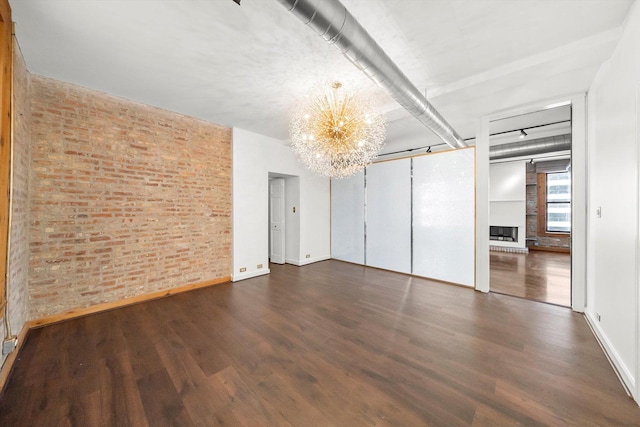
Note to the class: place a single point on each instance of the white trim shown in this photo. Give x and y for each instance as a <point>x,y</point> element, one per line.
<point>622,371</point>
<point>636,390</point>
<point>249,275</point>
<point>578,260</point>
<point>579,202</point>
<point>530,108</point>
<point>482,205</point>
<point>307,260</point>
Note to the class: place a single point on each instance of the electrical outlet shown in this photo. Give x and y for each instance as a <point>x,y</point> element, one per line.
<point>308,256</point>
<point>259,265</point>
<point>243,269</point>
<point>9,345</point>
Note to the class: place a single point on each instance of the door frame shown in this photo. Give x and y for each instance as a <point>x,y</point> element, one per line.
<point>578,193</point>
<point>291,220</point>
<point>283,229</point>
<point>636,392</point>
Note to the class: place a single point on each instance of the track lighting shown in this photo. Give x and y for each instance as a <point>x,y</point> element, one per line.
<point>522,134</point>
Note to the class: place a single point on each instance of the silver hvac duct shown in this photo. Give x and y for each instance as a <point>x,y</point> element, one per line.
<point>331,20</point>
<point>530,148</point>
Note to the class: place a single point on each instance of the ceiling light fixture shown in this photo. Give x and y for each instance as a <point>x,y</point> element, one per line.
<point>335,132</point>
<point>331,20</point>
<point>522,134</point>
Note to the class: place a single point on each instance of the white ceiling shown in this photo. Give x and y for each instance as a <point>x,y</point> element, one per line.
<point>247,65</point>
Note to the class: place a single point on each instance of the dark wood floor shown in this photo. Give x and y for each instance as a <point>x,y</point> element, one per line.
<point>326,344</point>
<point>538,276</point>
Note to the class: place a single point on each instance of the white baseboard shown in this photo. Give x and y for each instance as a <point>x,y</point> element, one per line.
<point>306,261</point>
<point>249,274</point>
<point>627,379</point>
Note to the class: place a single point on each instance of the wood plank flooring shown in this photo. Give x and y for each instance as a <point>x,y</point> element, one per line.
<point>328,344</point>
<point>538,276</point>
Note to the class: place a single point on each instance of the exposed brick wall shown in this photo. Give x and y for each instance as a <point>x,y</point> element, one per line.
<point>532,216</point>
<point>19,253</point>
<point>532,202</point>
<point>126,199</point>
<point>553,242</point>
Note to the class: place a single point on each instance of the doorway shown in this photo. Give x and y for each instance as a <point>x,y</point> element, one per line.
<point>284,222</point>
<point>530,206</point>
<point>277,241</point>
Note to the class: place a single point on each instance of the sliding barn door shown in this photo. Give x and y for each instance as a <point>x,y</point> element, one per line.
<point>389,215</point>
<point>444,216</point>
<point>347,218</point>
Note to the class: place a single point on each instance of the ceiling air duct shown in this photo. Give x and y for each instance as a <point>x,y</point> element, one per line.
<point>530,148</point>
<point>331,20</point>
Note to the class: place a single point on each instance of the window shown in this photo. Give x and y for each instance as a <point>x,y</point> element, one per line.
<point>558,202</point>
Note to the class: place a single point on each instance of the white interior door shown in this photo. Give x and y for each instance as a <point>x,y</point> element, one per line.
<point>276,220</point>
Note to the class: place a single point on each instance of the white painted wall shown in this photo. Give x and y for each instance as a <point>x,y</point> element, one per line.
<point>508,199</point>
<point>254,156</point>
<point>579,188</point>
<point>507,181</point>
<point>612,244</point>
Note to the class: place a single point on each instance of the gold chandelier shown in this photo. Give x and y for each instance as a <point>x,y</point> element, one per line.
<point>335,132</point>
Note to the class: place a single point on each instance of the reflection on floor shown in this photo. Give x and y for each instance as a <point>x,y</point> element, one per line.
<point>538,275</point>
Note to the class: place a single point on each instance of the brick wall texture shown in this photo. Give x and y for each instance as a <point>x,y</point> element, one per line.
<point>532,216</point>
<point>19,253</point>
<point>126,199</point>
<point>532,202</point>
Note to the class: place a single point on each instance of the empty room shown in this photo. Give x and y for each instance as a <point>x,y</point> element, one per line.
<point>320,212</point>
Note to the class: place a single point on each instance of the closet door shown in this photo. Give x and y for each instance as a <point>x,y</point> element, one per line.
<point>444,216</point>
<point>388,233</point>
<point>347,219</point>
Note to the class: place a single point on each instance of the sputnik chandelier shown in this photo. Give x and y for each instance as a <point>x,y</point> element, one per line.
<point>335,132</point>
